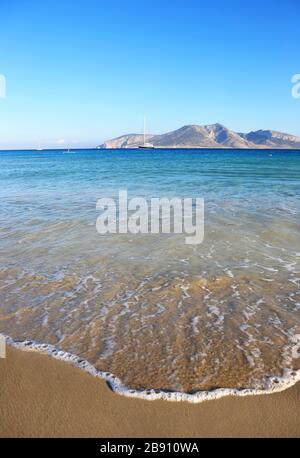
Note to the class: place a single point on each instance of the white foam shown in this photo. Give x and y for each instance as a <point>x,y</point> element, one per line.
<point>273,385</point>
<point>195,322</point>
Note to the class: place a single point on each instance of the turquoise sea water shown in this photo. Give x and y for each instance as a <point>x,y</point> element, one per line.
<point>149,308</point>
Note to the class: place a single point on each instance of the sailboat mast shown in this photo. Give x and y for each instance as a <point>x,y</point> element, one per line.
<point>145,144</point>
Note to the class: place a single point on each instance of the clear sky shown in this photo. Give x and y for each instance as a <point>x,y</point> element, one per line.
<point>82,71</point>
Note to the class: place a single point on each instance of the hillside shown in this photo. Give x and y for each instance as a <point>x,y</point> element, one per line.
<point>209,136</point>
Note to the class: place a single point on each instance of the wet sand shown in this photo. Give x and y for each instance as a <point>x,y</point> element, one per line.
<point>43,397</point>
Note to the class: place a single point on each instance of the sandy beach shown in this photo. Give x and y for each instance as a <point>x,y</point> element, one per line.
<point>44,397</point>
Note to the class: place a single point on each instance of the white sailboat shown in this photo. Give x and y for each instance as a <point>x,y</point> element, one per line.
<point>146,144</point>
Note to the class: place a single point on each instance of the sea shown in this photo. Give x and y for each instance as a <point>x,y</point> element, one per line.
<point>156,317</point>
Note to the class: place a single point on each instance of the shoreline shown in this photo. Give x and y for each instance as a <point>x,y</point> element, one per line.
<point>200,148</point>
<point>276,384</point>
<point>44,397</point>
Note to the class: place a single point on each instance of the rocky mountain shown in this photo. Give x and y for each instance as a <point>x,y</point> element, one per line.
<point>272,139</point>
<point>210,136</point>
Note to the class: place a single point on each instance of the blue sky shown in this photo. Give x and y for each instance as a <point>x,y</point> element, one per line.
<point>79,72</point>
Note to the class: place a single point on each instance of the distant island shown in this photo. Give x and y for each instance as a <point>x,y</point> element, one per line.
<point>210,136</point>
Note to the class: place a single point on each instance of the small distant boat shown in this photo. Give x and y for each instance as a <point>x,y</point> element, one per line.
<point>146,145</point>
<point>39,148</point>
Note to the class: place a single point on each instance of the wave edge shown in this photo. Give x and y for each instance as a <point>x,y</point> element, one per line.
<point>275,384</point>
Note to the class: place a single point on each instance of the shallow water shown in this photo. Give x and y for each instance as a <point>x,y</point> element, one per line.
<point>154,311</point>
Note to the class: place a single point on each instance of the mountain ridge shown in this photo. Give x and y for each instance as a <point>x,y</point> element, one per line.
<point>208,136</point>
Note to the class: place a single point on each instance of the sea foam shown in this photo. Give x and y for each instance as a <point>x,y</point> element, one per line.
<point>274,384</point>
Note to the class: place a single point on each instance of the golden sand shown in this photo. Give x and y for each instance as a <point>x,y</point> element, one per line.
<point>43,397</point>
